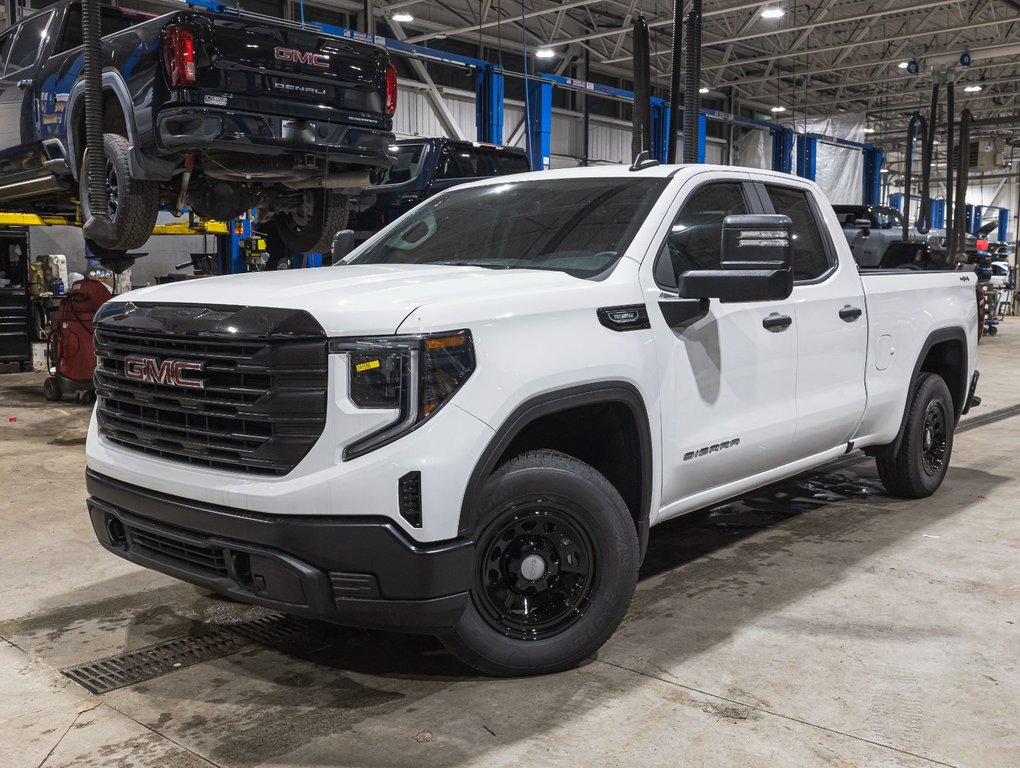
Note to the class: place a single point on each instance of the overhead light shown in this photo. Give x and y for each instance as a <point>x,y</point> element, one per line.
<point>703,90</point>
<point>869,130</point>
<point>402,16</point>
<point>544,53</point>
<point>903,64</point>
<point>973,88</point>
<point>883,170</point>
<point>773,13</point>
<point>778,108</point>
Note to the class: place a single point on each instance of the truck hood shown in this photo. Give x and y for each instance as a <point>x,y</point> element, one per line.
<point>367,299</point>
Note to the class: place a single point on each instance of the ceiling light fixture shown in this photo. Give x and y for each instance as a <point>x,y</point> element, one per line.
<point>773,13</point>
<point>778,109</point>
<point>402,16</point>
<point>903,64</point>
<point>869,130</point>
<point>973,89</point>
<point>544,53</point>
<point>703,90</point>
<point>883,170</point>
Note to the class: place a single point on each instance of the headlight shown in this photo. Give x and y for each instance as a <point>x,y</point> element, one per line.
<point>414,375</point>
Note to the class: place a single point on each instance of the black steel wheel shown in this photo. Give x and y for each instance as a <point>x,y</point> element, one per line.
<point>536,572</point>
<point>920,463</point>
<point>555,567</point>
<point>933,438</point>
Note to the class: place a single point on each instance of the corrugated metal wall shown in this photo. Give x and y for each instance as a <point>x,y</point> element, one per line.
<point>609,141</point>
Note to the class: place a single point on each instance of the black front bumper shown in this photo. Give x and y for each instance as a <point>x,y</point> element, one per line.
<point>360,571</point>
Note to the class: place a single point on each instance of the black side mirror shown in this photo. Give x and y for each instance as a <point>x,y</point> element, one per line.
<point>343,243</point>
<point>864,225</point>
<point>756,263</point>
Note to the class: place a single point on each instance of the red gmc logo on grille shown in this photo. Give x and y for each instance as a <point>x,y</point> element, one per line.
<point>170,372</point>
<point>301,57</point>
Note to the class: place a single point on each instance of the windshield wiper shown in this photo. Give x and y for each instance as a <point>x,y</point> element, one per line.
<point>471,264</point>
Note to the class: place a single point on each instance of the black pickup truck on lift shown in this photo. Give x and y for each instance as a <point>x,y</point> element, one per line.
<point>212,112</point>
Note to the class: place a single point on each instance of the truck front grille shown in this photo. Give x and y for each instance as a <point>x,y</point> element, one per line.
<point>252,397</point>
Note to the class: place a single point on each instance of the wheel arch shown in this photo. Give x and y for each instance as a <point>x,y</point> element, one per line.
<point>945,353</point>
<point>114,92</point>
<point>615,407</point>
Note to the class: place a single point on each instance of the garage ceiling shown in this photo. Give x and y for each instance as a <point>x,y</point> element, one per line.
<point>831,55</point>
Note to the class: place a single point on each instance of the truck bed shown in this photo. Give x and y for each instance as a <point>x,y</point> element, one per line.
<point>904,308</point>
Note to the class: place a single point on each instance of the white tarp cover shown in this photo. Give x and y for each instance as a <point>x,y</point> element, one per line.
<point>753,149</point>
<point>839,171</point>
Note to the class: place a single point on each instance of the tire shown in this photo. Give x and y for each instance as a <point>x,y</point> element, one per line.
<point>917,469</point>
<point>51,389</point>
<point>556,519</point>
<point>134,204</point>
<point>287,236</point>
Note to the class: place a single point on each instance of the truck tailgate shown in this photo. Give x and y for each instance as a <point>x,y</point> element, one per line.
<point>294,72</point>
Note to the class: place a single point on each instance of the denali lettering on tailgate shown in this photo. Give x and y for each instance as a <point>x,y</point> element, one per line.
<point>301,57</point>
<point>169,372</point>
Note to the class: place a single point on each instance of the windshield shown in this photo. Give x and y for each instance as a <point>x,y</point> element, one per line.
<point>406,163</point>
<point>580,226</point>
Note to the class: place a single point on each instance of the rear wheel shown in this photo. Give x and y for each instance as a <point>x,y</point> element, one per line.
<point>133,205</point>
<point>917,469</point>
<point>555,568</point>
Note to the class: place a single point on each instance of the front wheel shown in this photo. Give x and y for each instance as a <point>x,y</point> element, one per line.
<point>917,469</point>
<point>556,565</point>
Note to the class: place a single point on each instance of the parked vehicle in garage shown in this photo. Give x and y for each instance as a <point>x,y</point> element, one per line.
<point>875,234</point>
<point>425,167</point>
<point>218,113</point>
<point>470,424</point>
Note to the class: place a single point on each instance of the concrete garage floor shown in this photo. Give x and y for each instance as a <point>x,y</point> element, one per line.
<point>821,623</point>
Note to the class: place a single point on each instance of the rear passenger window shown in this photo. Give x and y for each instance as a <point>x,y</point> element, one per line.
<point>810,257</point>
<point>694,239</point>
<point>511,162</point>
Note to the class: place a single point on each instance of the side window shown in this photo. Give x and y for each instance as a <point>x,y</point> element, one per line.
<point>511,162</point>
<point>484,161</point>
<point>70,37</point>
<point>694,237</point>
<point>5,47</point>
<point>448,167</point>
<point>25,51</point>
<point>810,258</point>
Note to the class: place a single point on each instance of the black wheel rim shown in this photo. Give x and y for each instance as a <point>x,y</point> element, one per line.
<point>933,439</point>
<point>536,572</point>
<point>111,190</point>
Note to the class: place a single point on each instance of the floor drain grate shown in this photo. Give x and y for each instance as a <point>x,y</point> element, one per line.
<point>160,659</point>
<point>270,630</point>
<point>154,661</point>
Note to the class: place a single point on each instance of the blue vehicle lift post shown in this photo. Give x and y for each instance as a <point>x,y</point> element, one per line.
<point>807,154</point>
<point>539,124</point>
<point>1003,232</point>
<point>872,176</point>
<point>489,104</point>
<point>782,150</point>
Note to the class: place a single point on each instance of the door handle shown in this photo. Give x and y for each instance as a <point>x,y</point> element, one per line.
<point>23,84</point>
<point>776,323</point>
<point>849,314</point>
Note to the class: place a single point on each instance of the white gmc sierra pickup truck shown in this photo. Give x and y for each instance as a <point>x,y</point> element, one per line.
<point>469,426</point>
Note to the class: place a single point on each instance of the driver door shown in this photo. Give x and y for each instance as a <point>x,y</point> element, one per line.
<point>727,381</point>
